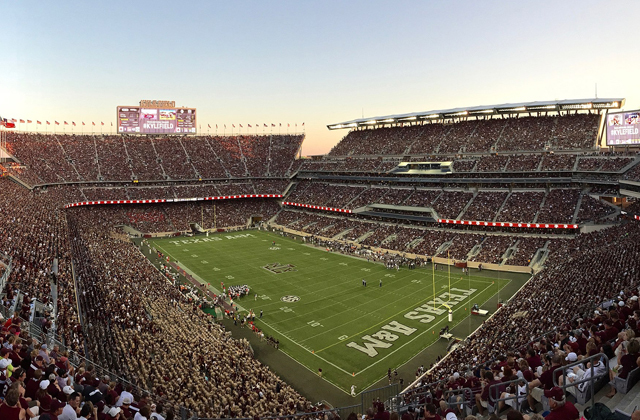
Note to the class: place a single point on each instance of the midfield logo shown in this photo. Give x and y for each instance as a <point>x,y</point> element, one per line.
<point>280,268</point>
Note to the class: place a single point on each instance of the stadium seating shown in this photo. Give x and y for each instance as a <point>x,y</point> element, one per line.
<point>129,310</point>
<point>568,132</point>
<point>70,158</point>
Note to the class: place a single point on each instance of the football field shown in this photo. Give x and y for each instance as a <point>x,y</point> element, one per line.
<point>314,301</point>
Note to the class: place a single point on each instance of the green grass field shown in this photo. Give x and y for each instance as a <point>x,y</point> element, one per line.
<point>320,311</point>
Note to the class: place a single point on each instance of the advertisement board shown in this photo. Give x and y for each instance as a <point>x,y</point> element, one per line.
<point>623,128</point>
<point>146,120</point>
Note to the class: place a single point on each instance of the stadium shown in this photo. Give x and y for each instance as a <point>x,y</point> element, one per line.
<point>473,262</point>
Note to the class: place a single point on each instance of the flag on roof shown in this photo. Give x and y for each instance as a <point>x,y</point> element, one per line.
<point>21,121</point>
<point>209,125</point>
<point>29,121</point>
<point>93,123</point>
<point>73,122</point>
<point>13,120</point>
<point>266,125</point>
<point>249,125</point>
<point>66,123</point>
<point>48,123</point>
<point>101,123</point>
<point>57,123</point>
<point>273,125</point>
<point>83,123</point>
<point>240,125</point>
<point>38,122</point>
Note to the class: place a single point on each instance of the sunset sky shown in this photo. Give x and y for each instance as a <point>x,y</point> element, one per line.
<point>318,62</point>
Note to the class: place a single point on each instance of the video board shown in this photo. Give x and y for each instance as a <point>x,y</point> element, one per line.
<point>623,128</point>
<point>148,120</point>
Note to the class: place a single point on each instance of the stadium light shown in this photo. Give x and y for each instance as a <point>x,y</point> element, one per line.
<point>388,120</point>
<point>371,122</point>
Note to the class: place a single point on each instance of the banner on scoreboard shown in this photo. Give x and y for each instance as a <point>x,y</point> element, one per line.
<point>146,120</point>
<point>623,128</point>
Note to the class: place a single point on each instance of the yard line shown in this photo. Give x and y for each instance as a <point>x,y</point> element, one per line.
<point>419,335</point>
<point>375,325</point>
<point>307,350</point>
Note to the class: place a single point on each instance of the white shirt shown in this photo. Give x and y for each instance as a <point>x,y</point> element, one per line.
<point>124,395</point>
<point>68,413</point>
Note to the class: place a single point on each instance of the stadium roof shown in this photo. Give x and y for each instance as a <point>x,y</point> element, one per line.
<point>483,110</point>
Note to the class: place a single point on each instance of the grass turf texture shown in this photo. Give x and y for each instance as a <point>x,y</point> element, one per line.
<point>335,316</point>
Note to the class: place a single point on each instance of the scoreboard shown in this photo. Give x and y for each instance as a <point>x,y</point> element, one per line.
<point>156,117</point>
<point>623,128</point>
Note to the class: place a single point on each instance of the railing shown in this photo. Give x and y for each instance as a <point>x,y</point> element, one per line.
<point>342,412</point>
<point>388,395</point>
<point>451,397</point>
<point>5,275</point>
<point>501,387</point>
<point>591,380</point>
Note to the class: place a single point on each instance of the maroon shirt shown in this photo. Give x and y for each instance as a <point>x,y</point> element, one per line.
<point>547,377</point>
<point>534,362</point>
<point>494,391</point>
<point>567,412</point>
<point>9,413</point>
<point>628,363</point>
<point>31,388</point>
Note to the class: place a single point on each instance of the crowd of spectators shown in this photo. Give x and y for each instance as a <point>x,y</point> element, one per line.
<point>379,235</point>
<point>33,233</point>
<point>523,163</point>
<point>493,248</point>
<point>464,165</point>
<point>368,196</point>
<point>422,198</point>
<point>461,246</point>
<point>70,158</point>
<point>615,164</point>
<point>590,164</point>
<point>134,313</point>
<point>559,206</point>
<point>492,163</point>
<point>431,241</point>
<point>566,132</point>
<point>592,209</point>
<point>428,137</point>
<point>521,206</point>
<point>450,203</point>
<point>381,141</point>
<point>485,205</point>
<point>349,164</point>
<point>600,267</point>
<point>525,251</point>
<point>633,174</point>
<point>558,162</point>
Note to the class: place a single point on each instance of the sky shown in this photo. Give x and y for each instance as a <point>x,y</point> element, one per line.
<point>311,62</point>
